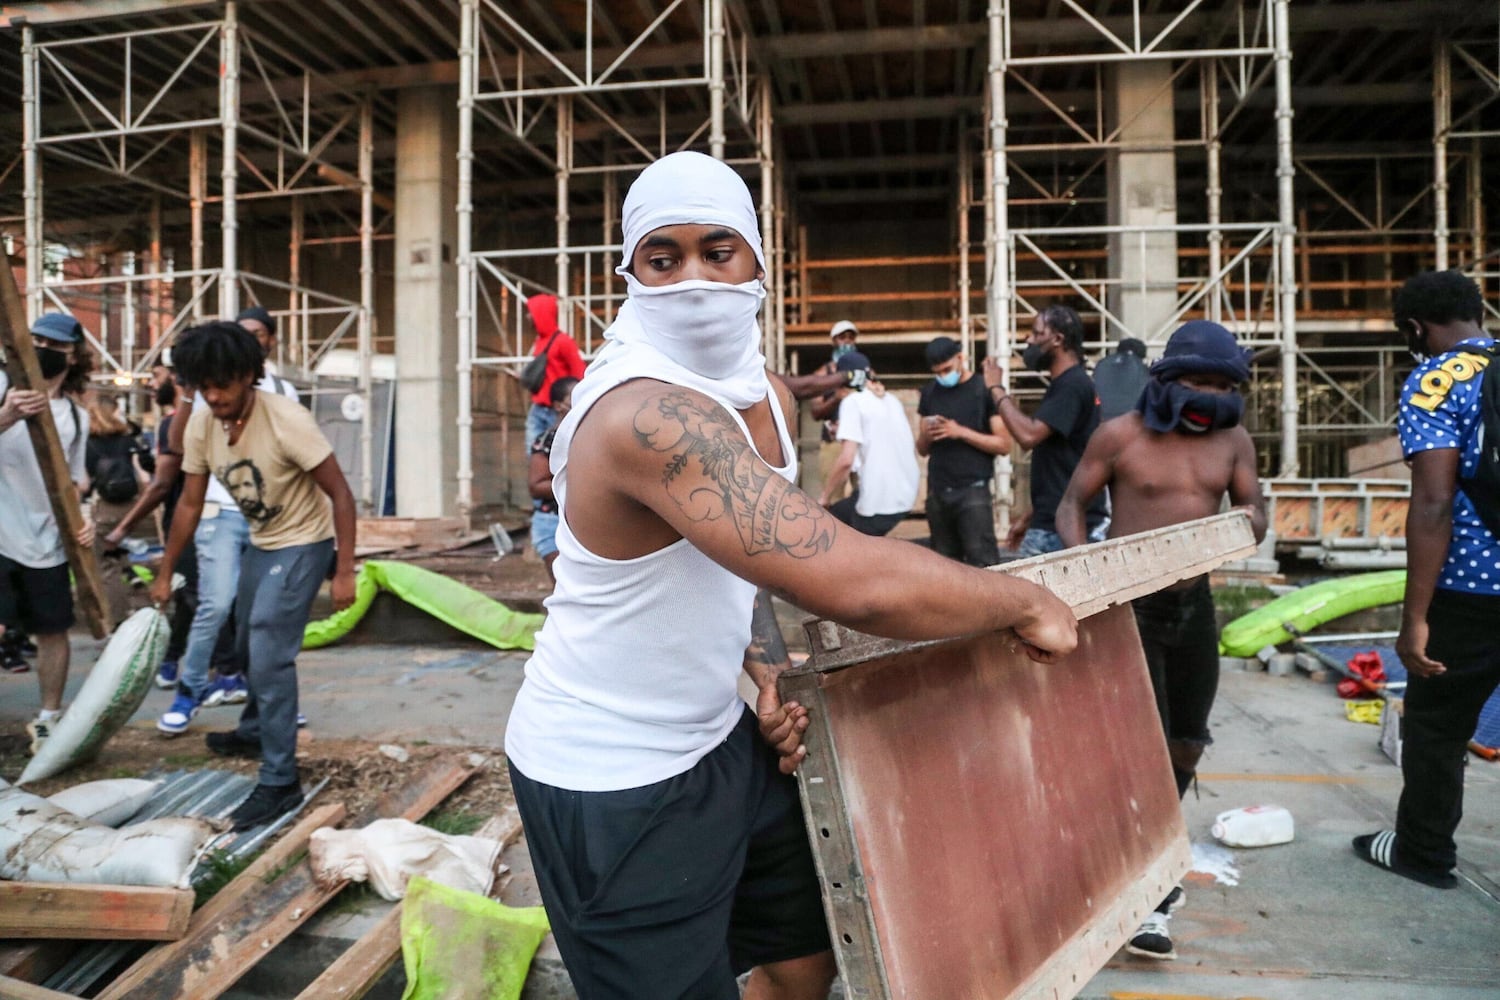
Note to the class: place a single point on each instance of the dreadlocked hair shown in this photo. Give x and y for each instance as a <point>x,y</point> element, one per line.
<point>217,354</point>
<point>1066,321</point>
<point>1438,297</point>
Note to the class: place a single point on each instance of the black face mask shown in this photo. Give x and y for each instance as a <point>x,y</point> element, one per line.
<point>1172,406</point>
<point>166,394</point>
<point>52,362</point>
<point>1036,357</point>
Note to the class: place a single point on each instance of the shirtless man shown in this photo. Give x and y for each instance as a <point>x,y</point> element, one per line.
<point>1171,461</point>
<point>666,834</point>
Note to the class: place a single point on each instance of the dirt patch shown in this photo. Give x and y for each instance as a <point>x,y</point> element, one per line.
<point>359,774</point>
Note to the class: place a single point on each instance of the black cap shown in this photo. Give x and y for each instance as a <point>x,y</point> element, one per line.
<point>1131,345</point>
<point>260,315</point>
<point>941,349</point>
<point>853,361</point>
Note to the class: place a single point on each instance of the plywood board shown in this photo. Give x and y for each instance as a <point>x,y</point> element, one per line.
<point>986,826</point>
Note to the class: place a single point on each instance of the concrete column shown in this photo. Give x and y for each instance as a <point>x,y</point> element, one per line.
<point>426,324</point>
<point>1142,192</point>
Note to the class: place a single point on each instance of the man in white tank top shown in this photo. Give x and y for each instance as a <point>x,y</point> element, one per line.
<point>666,834</point>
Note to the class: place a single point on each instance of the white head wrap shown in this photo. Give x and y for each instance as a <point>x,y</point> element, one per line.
<point>680,189</point>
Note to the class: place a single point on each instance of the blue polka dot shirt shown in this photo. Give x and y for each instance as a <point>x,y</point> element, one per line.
<point>1440,409</point>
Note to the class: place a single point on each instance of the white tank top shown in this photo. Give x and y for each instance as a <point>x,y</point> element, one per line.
<point>634,677</point>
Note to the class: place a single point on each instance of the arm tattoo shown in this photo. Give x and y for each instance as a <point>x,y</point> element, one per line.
<point>702,439</point>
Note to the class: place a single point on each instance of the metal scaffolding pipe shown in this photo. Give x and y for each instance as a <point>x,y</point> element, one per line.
<point>716,78</point>
<point>296,328</point>
<point>31,131</point>
<point>1210,96</point>
<point>229,117</point>
<point>1476,214</point>
<point>1442,123</point>
<point>1002,259</point>
<point>769,340</point>
<point>965,204</point>
<point>197,190</point>
<point>564,176</point>
<point>1287,235</point>
<point>467,81</point>
<point>366,297</point>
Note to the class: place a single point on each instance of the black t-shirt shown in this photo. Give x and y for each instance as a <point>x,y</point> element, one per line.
<point>954,464</point>
<point>169,502</point>
<point>1071,409</point>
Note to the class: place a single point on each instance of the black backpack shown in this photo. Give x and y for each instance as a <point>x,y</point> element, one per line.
<point>113,472</point>
<point>1483,488</point>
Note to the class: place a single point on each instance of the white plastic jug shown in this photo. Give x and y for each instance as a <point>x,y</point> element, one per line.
<point>1254,826</point>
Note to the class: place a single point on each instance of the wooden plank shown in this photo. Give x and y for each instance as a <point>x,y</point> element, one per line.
<point>212,957</point>
<point>20,989</point>
<point>250,880</point>
<point>360,967</point>
<point>1090,579</point>
<point>93,912</point>
<point>22,370</point>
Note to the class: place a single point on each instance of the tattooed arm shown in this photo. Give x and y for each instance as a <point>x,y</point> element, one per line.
<point>672,452</point>
<point>781,725</point>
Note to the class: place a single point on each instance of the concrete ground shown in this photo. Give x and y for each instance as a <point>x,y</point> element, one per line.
<point>1306,921</point>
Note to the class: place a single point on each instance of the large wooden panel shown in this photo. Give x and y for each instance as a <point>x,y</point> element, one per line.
<point>986,826</point>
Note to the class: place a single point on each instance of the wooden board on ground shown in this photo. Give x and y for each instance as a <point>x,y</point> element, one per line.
<point>214,955</point>
<point>22,370</point>
<point>19,989</point>
<point>385,534</point>
<point>34,961</point>
<point>93,912</point>
<point>1049,785</point>
<point>360,967</point>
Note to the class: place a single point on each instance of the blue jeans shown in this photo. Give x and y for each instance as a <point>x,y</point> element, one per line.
<point>543,533</point>
<point>220,543</point>
<point>275,595</point>
<point>1038,541</point>
<point>539,420</point>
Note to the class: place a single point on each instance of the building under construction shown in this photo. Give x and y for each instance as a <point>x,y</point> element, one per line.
<point>390,178</point>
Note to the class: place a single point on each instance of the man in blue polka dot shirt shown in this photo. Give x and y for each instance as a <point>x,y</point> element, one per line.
<point>1448,642</point>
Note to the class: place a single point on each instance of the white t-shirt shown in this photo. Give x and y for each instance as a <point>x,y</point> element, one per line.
<point>216,493</point>
<point>28,531</point>
<point>887,460</point>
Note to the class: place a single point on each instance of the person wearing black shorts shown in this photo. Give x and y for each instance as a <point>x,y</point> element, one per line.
<point>35,589</point>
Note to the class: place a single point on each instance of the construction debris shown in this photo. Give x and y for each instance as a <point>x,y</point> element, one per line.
<point>111,912</point>
<point>390,852</point>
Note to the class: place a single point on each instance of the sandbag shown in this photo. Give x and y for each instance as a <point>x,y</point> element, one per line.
<point>109,802</point>
<point>1308,607</point>
<point>390,852</point>
<point>459,945</point>
<point>447,600</point>
<point>42,842</point>
<point>114,690</point>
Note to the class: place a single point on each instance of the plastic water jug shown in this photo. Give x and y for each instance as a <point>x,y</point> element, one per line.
<point>1254,826</point>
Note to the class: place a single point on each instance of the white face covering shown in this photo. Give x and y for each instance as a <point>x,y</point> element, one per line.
<point>708,327</point>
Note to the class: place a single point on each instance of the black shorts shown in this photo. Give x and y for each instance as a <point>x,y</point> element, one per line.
<point>36,601</point>
<point>670,890</point>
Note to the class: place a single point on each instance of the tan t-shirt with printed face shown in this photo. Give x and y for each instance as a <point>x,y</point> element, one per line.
<point>268,471</point>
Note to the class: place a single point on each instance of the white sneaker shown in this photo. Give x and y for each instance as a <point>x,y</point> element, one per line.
<point>39,730</point>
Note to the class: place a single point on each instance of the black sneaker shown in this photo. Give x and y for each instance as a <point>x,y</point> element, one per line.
<point>1153,940</point>
<point>1174,901</point>
<point>265,803</point>
<point>232,744</point>
<point>13,654</point>
<point>1379,849</point>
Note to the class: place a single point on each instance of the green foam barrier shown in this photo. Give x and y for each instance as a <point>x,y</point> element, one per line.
<point>447,600</point>
<point>1308,607</point>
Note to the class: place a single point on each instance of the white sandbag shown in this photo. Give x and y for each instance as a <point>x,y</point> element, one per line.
<point>41,842</point>
<point>114,690</point>
<point>109,802</point>
<point>389,852</point>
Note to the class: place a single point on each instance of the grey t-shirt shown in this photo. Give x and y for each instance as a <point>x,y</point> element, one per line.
<point>28,531</point>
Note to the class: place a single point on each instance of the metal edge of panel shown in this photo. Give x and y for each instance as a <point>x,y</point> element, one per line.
<point>1090,579</point>
<point>1079,959</point>
<point>851,922</point>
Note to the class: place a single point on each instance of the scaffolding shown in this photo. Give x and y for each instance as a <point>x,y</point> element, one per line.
<point>610,111</point>
<point>80,104</point>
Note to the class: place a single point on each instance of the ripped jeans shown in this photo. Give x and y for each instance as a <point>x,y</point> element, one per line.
<point>1181,641</point>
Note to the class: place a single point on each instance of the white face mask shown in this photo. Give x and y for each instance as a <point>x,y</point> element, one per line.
<point>708,327</point>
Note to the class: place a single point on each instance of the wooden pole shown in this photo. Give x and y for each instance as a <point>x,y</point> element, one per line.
<point>23,372</point>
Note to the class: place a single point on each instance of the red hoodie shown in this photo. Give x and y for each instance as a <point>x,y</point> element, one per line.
<point>562,356</point>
